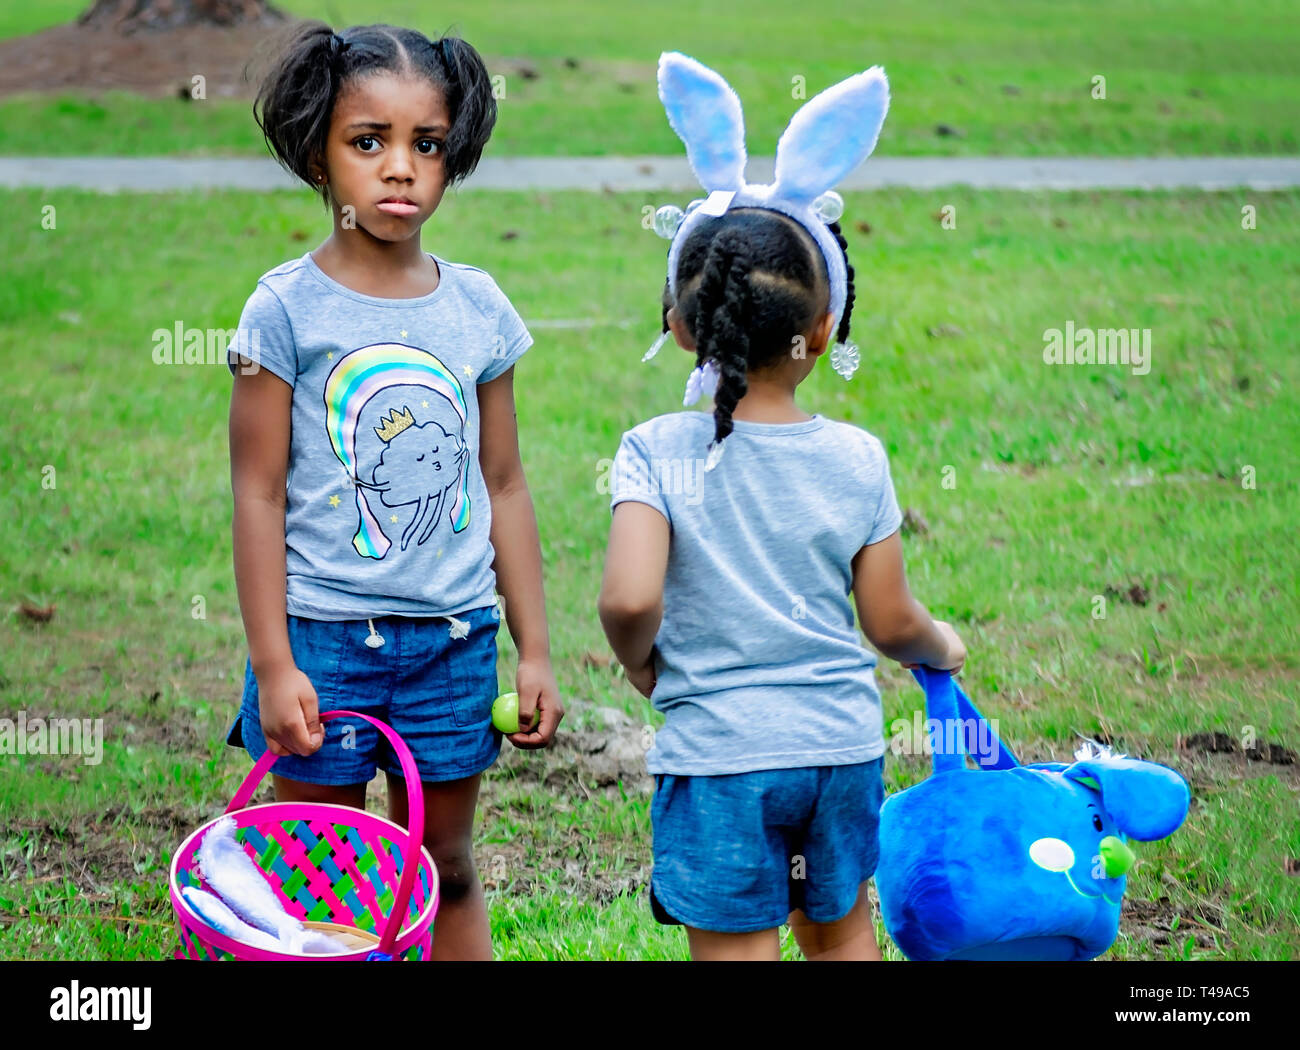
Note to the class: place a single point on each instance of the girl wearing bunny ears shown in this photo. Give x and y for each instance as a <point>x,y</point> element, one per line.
<point>727,579</point>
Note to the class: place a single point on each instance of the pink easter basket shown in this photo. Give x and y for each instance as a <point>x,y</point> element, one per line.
<point>335,868</point>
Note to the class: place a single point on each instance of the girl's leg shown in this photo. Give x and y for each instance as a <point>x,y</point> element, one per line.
<point>710,946</point>
<point>286,790</point>
<point>852,938</point>
<point>461,930</point>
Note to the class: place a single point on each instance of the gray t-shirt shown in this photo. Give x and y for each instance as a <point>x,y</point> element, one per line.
<point>387,509</point>
<point>760,663</point>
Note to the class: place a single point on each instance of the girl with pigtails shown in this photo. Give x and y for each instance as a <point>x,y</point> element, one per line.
<point>728,605</point>
<point>379,499</point>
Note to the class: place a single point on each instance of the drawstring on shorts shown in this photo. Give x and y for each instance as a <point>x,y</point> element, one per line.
<point>458,629</point>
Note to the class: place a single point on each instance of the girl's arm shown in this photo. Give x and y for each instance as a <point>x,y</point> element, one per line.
<point>631,603</point>
<point>260,405</point>
<point>899,626</point>
<point>518,564</point>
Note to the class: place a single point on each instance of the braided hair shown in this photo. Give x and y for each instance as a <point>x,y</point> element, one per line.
<point>296,97</point>
<point>749,283</point>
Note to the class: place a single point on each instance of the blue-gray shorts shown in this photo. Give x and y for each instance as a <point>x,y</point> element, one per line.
<point>435,690</point>
<point>738,853</point>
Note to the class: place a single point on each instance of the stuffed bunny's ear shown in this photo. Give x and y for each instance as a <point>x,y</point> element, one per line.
<point>705,112</point>
<point>831,135</point>
<point>1147,800</point>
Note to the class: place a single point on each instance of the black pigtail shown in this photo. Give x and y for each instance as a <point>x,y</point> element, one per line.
<point>842,333</point>
<point>722,323</point>
<point>470,100</point>
<point>296,97</point>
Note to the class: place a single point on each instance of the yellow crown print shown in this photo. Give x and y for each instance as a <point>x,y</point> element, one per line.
<point>394,424</point>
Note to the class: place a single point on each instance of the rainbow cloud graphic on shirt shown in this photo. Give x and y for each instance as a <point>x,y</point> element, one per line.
<point>359,377</point>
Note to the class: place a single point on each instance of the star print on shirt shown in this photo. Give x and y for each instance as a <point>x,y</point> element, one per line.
<point>334,501</point>
<point>469,371</point>
<point>403,333</point>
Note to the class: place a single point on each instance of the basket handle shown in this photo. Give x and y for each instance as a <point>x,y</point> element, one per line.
<point>415,816</point>
<point>945,700</point>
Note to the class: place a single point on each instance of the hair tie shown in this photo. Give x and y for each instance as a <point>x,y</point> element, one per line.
<point>715,454</point>
<point>703,382</point>
<point>337,47</point>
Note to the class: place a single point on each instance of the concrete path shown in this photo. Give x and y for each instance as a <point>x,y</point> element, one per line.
<point>672,174</point>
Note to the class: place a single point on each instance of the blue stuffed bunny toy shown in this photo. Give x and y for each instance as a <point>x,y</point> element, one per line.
<point>1014,861</point>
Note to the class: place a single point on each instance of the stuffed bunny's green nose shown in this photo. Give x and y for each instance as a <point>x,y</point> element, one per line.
<point>1116,855</point>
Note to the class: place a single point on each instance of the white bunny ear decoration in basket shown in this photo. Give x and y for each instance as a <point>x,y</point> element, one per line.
<point>826,139</point>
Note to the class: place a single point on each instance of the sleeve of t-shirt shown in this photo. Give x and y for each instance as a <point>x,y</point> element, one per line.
<point>265,337</point>
<point>888,517</point>
<point>512,338</point>
<point>631,477</point>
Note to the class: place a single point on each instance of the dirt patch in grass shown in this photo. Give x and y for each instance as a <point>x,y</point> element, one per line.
<point>584,762</point>
<point>176,731</point>
<point>179,733</point>
<point>1209,758</point>
<point>97,852</point>
<point>1221,743</point>
<point>588,764</point>
<point>75,58</point>
<point>1161,922</point>
<point>550,865</point>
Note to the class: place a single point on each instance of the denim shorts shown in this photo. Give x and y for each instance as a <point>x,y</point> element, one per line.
<point>434,689</point>
<point>737,853</point>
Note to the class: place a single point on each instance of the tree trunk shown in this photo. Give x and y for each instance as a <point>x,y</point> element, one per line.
<point>127,16</point>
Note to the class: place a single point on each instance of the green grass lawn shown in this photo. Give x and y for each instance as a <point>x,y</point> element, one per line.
<point>1040,487</point>
<point>1012,78</point>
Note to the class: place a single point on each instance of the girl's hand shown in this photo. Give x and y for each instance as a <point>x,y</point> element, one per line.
<point>290,716</point>
<point>955,657</point>
<point>538,691</point>
<point>643,679</point>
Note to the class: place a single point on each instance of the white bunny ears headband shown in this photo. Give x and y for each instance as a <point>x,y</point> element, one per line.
<point>826,139</point>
